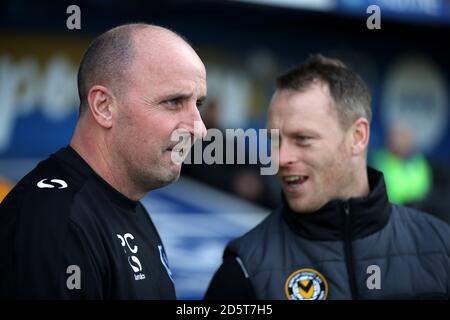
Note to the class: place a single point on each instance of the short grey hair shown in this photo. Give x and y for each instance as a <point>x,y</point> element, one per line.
<point>106,60</point>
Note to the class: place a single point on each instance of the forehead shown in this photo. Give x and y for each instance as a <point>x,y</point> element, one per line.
<point>168,64</point>
<point>311,109</point>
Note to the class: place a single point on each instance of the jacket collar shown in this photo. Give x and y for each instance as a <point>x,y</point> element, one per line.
<point>366,215</point>
<point>82,169</point>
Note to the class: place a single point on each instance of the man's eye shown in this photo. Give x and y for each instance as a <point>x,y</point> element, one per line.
<point>173,103</point>
<point>303,140</point>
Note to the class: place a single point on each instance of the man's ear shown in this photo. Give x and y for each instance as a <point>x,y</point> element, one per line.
<point>360,136</point>
<point>101,103</point>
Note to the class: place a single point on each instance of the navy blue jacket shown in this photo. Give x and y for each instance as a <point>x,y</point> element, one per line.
<point>362,248</point>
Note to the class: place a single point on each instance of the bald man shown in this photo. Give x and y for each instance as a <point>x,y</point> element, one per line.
<point>73,228</point>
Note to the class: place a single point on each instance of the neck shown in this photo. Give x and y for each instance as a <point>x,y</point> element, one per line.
<point>362,188</point>
<point>95,149</point>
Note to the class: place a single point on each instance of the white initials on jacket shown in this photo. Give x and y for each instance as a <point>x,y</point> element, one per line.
<point>133,260</point>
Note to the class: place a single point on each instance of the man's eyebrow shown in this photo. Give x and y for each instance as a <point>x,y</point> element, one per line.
<point>177,95</point>
<point>305,132</point>
<point>181,95</point>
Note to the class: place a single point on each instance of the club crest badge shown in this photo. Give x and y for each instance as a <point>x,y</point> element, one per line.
<point>306,284</point>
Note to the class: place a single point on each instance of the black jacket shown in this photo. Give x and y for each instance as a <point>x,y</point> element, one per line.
<point>67,234</point>
<point>363,248</point>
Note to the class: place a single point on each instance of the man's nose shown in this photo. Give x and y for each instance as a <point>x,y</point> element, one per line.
<point>287,154</point>
<point>197,128</point>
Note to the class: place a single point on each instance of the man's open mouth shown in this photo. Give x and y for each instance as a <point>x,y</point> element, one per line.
<point>293,181</point>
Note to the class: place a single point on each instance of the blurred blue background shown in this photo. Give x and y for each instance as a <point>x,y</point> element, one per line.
<point>244,45</point>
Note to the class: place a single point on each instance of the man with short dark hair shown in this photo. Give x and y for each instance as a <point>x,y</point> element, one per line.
<point>336,235</point>
<point>73,228</point>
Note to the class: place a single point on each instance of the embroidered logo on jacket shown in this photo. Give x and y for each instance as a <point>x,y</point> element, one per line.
<point>306,284</point>
<point>55,183</point>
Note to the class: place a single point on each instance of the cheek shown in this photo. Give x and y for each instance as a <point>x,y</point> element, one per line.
<point>318,157</point>
<point>326,163</point>
<point>153,130</point>
<point>338,166</point>
<point>132,137</point>
<point>159,134</point>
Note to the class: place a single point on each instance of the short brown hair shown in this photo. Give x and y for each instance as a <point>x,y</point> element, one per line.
<point>347,89</point>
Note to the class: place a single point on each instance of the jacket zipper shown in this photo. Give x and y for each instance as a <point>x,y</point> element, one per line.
<point>349,252</point>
